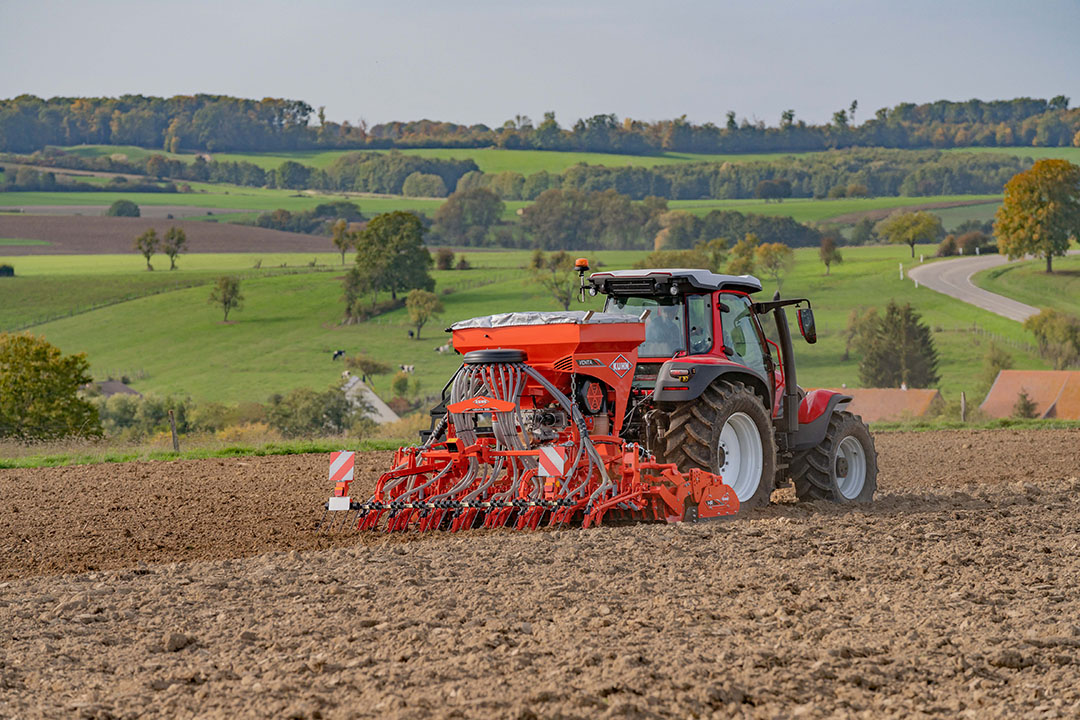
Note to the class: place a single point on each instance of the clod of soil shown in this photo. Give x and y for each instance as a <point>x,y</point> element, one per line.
<point>956,594</point>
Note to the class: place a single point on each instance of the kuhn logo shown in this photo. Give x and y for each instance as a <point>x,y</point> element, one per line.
<point>480,401</point>
<point>620,366</point>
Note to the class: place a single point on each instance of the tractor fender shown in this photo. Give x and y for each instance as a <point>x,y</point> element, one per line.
<point>703,373</point>
<point>814,413</point>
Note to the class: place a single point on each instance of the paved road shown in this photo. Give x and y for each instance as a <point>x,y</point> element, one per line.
<point>953,278</point>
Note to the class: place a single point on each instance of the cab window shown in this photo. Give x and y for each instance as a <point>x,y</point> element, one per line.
<point>665,332</point>
<point>740,333</point>
<point>700,320</point>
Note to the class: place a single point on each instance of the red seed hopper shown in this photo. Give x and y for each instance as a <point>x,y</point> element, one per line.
<point>529,434</point>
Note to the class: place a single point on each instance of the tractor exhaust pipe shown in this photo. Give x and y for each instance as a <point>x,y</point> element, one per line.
<point>790,399</point>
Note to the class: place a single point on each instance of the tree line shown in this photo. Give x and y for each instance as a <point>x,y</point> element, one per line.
<point>600,220</point>
<point>839,173</point>
<point>216,123</point>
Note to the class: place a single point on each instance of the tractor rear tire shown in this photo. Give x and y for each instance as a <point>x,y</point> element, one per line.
<point>726,431</point>
<point>843,468</point>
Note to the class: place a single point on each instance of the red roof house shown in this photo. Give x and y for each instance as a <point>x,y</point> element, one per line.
<point>891,404</point>
<point>1056,393</point>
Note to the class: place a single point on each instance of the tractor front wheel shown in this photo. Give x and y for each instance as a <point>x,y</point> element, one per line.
<point>727,431</point>
<point>843,468</point>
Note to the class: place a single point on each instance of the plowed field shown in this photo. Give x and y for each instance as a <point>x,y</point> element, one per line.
<point>74,235</point>
<point>199,589</point>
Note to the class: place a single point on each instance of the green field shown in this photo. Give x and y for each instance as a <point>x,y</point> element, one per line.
<point>1029,283</point>
<point>21,242</point>
<point>1072,154</point>
<point>174,342</point>
<point>489,160</point>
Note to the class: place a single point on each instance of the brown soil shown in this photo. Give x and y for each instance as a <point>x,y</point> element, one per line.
<point>75,235</point>
<point>879,214</point>
<point>956,593</point>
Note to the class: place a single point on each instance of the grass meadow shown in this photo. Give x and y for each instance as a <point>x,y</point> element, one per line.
<point>1029,283</point>
<point>175,342</point>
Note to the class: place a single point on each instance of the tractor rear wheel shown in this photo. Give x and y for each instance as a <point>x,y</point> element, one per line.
<point>843,468</point>
<point>727,431</point>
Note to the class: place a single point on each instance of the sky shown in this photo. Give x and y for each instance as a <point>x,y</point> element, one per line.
<point>481,61</point>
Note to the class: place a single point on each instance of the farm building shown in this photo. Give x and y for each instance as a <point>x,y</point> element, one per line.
<point>1056,393</point>
<point>891,404</point>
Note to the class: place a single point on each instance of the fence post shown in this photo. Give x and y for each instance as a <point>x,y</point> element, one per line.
<point>963,407</point>
<point>172,424</point>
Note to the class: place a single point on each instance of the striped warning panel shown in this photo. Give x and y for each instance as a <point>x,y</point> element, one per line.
<point>341,466</point>
<point>552,461</point>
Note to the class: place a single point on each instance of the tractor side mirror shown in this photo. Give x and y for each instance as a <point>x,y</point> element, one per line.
<point>806,324</point>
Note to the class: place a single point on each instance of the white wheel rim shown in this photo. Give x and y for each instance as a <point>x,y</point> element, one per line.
<point>740,446</point>
<point>851,483</point>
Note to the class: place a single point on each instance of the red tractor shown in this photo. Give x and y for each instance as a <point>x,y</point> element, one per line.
<point>712,391</point>
<point>668,406</point>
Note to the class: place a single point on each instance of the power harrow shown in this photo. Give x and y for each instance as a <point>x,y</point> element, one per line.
<point>528,435</point>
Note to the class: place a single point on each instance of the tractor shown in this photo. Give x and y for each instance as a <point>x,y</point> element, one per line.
<point>712,391</point>
<point>670,405</point>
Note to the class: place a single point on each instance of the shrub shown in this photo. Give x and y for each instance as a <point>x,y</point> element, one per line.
<point>7,270</point>
<point>444,259</point>
<point>123,208</point>
<point>947,247</point>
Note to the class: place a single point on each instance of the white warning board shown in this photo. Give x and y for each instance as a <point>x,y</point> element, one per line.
<point>552,461</point>
<point>342,465</point>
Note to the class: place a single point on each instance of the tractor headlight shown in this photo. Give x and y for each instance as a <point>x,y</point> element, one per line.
<point>592,291</point>
<point>674,289</point>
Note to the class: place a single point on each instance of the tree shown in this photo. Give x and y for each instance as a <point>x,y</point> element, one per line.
<point>123,208</point>
<point>175,242</point>
<point>467,216</point>
<point>555,273</point>
<point>775,260</point>
<point>1040,211</point>
<point>829,252</point>
<point>146,245</point>
<point>420,184</point>
<point>742,255</point>
<point>368,366</point>
<point>342,238</point>
<point>1058,336</point>
<point>304,412</point>
<point>899,351</point>
<point>1025,407</point>
<point>995,360</point>
<point>226,294</point>
<point>910,228</point>
<point>399,385</point>
<point>394,244</point>
<point>773,190</point>
<point>444,259</point>
<point>422,306</point>
<point>39,391</point>
<point>293,175</point>
<point>859,330</point>
<point>863,231</point>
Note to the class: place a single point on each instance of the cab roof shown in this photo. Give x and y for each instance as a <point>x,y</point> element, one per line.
<point>654,281</point>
